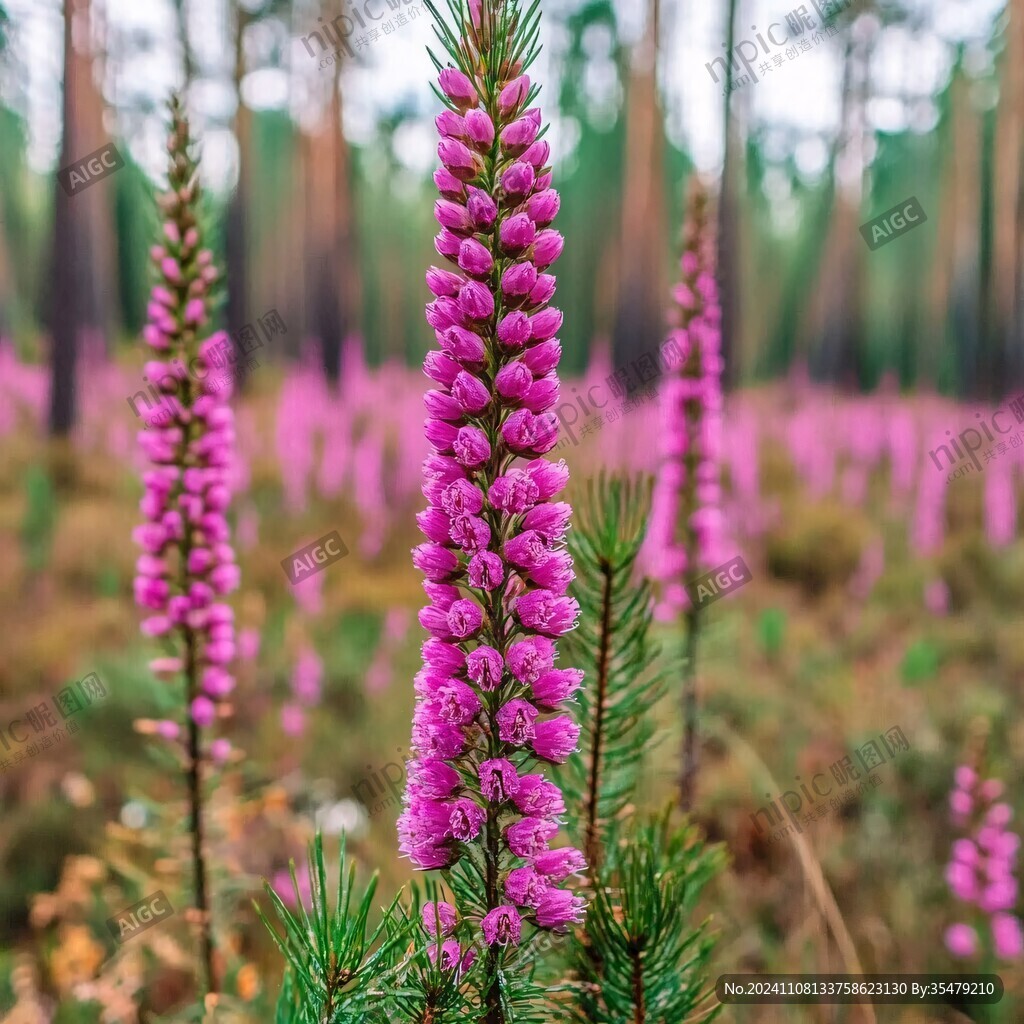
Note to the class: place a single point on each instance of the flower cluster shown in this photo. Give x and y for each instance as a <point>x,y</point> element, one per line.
<point>980,871</point>
<point>497,572</point>
<point>187,564</point>
<point>306,682</point>
<point>688,477</point>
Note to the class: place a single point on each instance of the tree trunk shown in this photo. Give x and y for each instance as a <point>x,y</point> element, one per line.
<point>65,300</point>
<point>639,319</point>
<point>236,254</point>
<point>728,223</point>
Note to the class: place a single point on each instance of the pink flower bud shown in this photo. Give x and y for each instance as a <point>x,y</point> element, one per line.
<point>448,185</point>
<point>542,394</point>
<point>155,338</point>
<point>470,393</point>
<point>476,301</point>
<point>519,279</point>
<point>542,207</point>
<point>517,234</point>
<point>537,155</point>
<point>204,712</point>
<point>471,447</point>
<point>517,182</point>
<point>441,435</point>
<point>220,750</point>
<point>513,96</point>
<point>543,290</point>
<point>450,124</point>
<point>547,248</point>
<point>474,258</point>
<point>459,159</point>
<point>518,136</point>
<point>458,88</point>
<point>482,208</point>
<point>513,381</point>
<point>195,312</point>
<point>443,313</point>
<point>486,570</point>
<point>514,330</point>
<point>480,129</point>
<point>443,282</point>
<point>441,406</point>
<point>447,244</point>
<point>463,345</point>
<point>440,368</point>
<point>546,323</point>
<point>453,216</point>
<point>170,269</point>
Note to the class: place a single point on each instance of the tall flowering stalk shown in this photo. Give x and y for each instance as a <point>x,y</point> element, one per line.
<point>687,486</point>
<point>478,804</point>
<point>187,564</point>
<point>980,872</point>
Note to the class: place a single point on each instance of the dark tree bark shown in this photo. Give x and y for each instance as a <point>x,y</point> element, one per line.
<point>639,315</point>
<point>728,250</point>
<point>65,300</point>
<point>236,238</point>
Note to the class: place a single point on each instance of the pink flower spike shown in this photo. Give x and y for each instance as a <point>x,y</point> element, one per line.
<point>493,584</point>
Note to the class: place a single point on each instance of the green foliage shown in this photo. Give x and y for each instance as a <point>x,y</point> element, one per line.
<point>612,646</point>
<point>512,41</point>
<point>523,998</point>
<point>642,959</point>
<point>920,663</point>
<point>818,547</point>
<point>336,973</point>
<point>426,993</point>
<point>40,517</point>
<point>771,630</point>
<point>637,956</point>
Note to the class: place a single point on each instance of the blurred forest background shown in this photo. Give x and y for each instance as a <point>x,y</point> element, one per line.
<point>332,226</point>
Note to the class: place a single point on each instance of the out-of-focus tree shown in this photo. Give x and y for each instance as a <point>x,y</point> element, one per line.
<point>591,178</point>
<point>333,293</point>
<point>1008,193</point>
<point>728,218</point>
<point>835,306</point>
<point>65,302</point>
<point>236,237</point>
<point>643,281</point>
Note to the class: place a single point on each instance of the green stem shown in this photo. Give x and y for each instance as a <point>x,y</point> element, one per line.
<point>691,759</point>
<point>592,845</point>
<point>639,1005</point>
